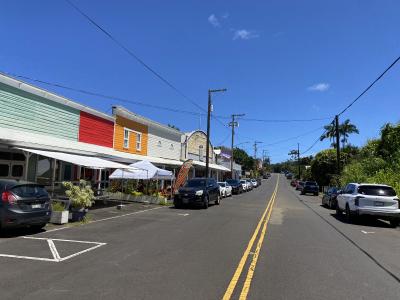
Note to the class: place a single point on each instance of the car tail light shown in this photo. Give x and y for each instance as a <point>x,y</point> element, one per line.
<point>8,197</point>
<point>398,201</point>
<point>357,200</point>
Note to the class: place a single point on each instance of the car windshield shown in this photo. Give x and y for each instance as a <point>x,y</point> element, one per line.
<point>222,184</point>
<point>310,183</point>
<point>232,181</point>
<point>26,191</point>
<point>374,190</point>
<point>301,183</point>
<point>195,183</point>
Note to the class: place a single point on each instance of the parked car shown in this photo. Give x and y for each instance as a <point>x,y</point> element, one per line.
<point>23,204</point>
<point>244,185</point>
<point>254,183</point>
<point>299,185</point>
<point>330,197</point>
<point>289,176</point>
<point>293,183</point>
<point>225,189</point>
<point>237,186</point>
<point>250,185</point>
<point>198,191</point>
<point>376,200</point>
<point>310,187</point>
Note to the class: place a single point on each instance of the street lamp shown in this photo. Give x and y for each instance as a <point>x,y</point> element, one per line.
<point>208,127</point>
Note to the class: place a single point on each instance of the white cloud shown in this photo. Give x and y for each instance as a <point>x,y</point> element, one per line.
<point>319,87</point>
<point>213,20</point>
<point>225,15</point>
<point>244,34</point>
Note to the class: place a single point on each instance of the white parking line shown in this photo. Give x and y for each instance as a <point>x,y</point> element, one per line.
<point>105,219</point>
<point>54,251</point>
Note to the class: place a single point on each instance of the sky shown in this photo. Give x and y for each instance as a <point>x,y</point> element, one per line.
<point>277,59</point>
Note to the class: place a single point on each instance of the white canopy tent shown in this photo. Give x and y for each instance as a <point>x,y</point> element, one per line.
<point>142,170</point>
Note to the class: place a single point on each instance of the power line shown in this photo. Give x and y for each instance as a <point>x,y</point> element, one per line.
<point>102,95</point>
<point>285,120</point>
<point>295,137</point>
<point>133,55</point>
<point>371,85</point>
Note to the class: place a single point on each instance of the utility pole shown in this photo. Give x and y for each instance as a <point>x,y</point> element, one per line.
<point>233,124</point>
<point>255,153</point>
<point>337,143</point>
<point>209,108</point>
<point>298,159</point>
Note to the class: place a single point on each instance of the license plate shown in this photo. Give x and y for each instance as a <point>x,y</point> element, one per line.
<point>378,203</point>
<point>36,205</point>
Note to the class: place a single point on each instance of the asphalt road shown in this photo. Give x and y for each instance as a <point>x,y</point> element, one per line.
<point>295,249</point>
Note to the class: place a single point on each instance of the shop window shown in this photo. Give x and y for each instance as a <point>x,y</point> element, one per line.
<point>17,171</point>
<point>18,156</point>
<point>44,171</point>
<point>5,155</point>
<point>4,169</point>
<point>67,172</point>
<point>138,141</point>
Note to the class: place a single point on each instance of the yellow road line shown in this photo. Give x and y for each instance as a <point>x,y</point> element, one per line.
<point>239,269</point>
<point>250,273</point>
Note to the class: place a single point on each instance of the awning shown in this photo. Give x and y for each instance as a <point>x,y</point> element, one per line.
<point>84,161</point>
<point>211,166</point>
<point>142,170</point>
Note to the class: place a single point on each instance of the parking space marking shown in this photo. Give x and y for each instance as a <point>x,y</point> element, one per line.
<point>184,215</point>
<point>54,251</point>
<point>367,232</point>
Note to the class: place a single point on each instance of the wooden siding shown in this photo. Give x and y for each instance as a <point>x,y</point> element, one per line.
<point>120,124</point>
<point>27,112</point>
<point>95,130</point>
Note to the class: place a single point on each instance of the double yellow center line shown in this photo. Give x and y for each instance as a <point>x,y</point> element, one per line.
<point>263,223</point>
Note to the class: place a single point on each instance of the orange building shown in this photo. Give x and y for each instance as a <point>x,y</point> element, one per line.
<point>129,136</point>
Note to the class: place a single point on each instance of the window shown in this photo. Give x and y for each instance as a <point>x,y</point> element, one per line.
<point>376,190</point>
<point>126,138</point>
<point>17,170</point>
<point>4,169</point>
<point>171,147</point>
<point>138,141</point>
<point>159,144</point>
<point>201,152</point>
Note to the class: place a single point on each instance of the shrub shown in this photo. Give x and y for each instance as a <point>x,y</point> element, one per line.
<point>81,195</point>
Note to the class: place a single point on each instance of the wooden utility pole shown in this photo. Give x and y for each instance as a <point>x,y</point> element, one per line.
<point>233,124</point>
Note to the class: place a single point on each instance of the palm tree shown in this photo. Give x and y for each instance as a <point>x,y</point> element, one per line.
<point>330,133</point>
<point>345,129</point>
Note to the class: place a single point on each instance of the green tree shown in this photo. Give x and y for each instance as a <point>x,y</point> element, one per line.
<point>242,158</point>
<point>345,129</point>
<point>330,133</point>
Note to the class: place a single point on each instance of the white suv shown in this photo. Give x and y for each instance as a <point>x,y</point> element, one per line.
<point>376,200</point>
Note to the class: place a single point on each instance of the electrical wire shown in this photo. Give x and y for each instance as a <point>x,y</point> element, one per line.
<point>133,55</point>
<point>370,86</point>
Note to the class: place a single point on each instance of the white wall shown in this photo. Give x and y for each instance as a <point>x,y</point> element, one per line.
<point>160,141</point>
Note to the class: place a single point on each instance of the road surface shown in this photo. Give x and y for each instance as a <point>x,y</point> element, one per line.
<point>270,243</point>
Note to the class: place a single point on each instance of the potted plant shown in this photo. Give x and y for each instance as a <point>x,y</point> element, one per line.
<point>59,215</point>
<point>81,197</point>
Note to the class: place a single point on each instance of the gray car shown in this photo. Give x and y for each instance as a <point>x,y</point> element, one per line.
<point>23,204</point>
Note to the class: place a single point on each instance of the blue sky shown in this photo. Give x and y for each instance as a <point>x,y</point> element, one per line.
<point>278,60</point>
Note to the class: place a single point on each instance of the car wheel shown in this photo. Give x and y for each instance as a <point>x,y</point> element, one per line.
<point>177,205</point>
<point>338,211</point>
<point>349,216</point>
<point>206,201</point>
<point>302,193</point>
<point>315,194</point>
<point>218,201</point>
<point>394,223</point>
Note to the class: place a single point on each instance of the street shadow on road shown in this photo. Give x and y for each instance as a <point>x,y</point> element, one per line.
<point>17,232</point>
<point>364,221</point>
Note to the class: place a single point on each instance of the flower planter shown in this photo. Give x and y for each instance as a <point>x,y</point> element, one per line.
<point>77,215</point>
<point>59,217</point>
